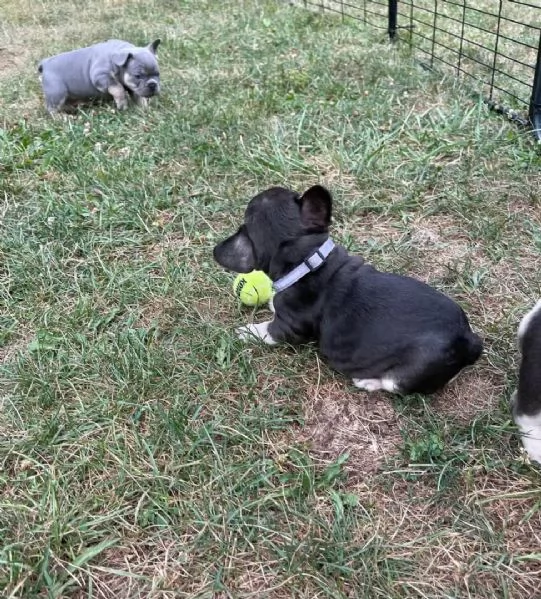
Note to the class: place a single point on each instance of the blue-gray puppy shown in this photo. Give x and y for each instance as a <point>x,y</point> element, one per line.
<point>114,68</point>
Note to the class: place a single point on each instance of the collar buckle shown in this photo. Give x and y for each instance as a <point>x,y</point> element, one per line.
<point>308,265</point>
<point>314,261</point>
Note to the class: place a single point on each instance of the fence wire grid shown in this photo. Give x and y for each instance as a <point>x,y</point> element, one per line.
<point>495,43</point>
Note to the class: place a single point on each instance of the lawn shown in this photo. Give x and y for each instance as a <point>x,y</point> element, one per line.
<point>145,451</point>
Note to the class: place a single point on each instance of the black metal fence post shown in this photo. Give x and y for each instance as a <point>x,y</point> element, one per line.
<point>535,101</point>
<point>498,55</point>
<point>393,12</point>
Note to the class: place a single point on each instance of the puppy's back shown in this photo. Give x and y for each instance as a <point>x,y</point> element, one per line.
<point>527,400</point>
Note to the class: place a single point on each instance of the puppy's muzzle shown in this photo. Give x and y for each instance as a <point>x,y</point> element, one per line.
<point>153,87</point>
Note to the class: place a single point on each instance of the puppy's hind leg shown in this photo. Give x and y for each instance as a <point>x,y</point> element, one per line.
<point>382,384</point>
<point>54,107</point>
<point>433,364</point>
<point>143,103</point>
<point>56,94</point>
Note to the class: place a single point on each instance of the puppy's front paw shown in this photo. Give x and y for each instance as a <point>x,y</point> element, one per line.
<point>119,95</point>
<point>259,331</point>
<point>143,103</point>
<point>245,333</point>
<point>121,103</point>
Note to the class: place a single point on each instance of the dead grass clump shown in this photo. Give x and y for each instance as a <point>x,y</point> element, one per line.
<point>138,569</point>
<point>157,312</point>
<point>9,351</point>
<point>10,62</point>
<point>474,548</point>
<point>473,392</point>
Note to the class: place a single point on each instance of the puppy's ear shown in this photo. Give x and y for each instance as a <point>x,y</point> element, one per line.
<point>152,47</point>
<point>121,58</point>
<point>316,207</point>
<point>236,253</point>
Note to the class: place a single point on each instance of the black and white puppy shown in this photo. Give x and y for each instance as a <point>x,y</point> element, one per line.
<point>383,330</point>
<point>526,402</point>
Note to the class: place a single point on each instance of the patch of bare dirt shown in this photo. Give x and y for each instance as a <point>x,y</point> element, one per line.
<point>164,570</point>
<point>170,242</point>
<point>157,312</point>
<point>473,392</point>
<point>9,62</point>
<point>9,351</point>
<point>435,245</point>
<point>441,246</point>
<point>339,420</point>
<point>146,566</point>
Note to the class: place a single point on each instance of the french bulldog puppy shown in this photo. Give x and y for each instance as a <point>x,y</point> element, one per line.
<point>383,330</point>
<point>526,401</point>
<point>114,68</point>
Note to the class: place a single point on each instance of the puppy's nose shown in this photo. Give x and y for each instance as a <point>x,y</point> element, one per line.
<point>152,85</point>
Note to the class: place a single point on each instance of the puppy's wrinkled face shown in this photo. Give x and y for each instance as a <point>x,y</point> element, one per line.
<point>272,218</point>
<point>140,73</point>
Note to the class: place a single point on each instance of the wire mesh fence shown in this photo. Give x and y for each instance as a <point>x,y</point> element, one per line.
<point>496,44</point>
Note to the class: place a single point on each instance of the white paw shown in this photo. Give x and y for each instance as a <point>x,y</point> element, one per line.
<point>530,430</point>
<point>271,305</point>
<point>144,103</point>
<point>385,384</point>
<point>256,331</point>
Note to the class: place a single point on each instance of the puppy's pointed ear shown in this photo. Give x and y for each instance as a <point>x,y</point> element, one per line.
<point>152,47</point>
<point>236,253</point>
<point>316,207</point>
<point>121,58</point>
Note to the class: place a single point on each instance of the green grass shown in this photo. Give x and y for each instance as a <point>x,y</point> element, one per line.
<point>146,452</point>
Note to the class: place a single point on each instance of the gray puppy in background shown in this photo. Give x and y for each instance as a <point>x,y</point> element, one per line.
<point>114,68</point>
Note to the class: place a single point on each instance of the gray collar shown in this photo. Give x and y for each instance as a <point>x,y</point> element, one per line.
<point>313,262</point>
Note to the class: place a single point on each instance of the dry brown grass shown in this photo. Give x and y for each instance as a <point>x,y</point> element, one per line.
<point>208,461</point>
<point>340,419</point>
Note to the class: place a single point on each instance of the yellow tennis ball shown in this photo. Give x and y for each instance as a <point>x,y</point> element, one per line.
<point>253,288</point>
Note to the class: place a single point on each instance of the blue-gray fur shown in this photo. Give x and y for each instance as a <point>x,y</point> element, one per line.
<point>90,72</point>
